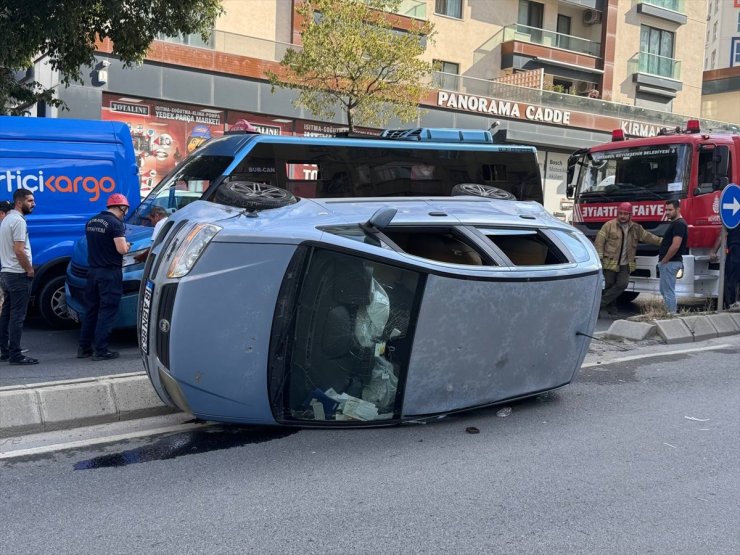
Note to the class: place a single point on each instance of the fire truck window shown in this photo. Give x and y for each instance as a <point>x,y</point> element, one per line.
<point>706,171</point>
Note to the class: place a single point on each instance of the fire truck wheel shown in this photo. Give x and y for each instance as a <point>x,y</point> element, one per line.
<point>627,297</point>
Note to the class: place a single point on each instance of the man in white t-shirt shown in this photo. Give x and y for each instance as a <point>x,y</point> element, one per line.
<point>157,215</point>
<point>16,277</point>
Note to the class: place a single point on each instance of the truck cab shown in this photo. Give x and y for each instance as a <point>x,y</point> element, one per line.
<point>684,164</point>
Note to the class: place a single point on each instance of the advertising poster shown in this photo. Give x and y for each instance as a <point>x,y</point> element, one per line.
<point>163,132</point>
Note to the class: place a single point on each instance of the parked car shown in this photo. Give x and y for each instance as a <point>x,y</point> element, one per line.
<point>362,311</point>
<point>399,163</point>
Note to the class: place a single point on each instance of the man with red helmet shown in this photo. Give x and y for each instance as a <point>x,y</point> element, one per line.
<point>616,244</point>
<point>106,245</point>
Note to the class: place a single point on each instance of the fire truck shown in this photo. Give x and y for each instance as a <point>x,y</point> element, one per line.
<point>685,164</point>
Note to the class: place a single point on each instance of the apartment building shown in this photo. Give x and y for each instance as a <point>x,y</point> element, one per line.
<point>721,88</point>
<point>559,74</point>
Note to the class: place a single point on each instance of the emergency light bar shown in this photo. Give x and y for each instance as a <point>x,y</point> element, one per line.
<point>693,126</point>
<point>618,135</point>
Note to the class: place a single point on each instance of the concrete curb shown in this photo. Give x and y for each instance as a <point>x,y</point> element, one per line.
<point>684,329</point>
<point>44,407</point>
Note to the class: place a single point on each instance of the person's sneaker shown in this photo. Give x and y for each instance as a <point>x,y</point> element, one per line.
<point>24,360</point>
<point>84,352</point>
<point>106,355</point>
<point>5,357</point>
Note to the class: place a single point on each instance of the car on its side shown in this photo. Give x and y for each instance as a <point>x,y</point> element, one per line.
<point>362,311</point>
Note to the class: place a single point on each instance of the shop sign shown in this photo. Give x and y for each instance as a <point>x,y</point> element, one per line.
<point>503,108</point>
<point>189,115</point>
<point>639,129</point>
<point>137,109</point>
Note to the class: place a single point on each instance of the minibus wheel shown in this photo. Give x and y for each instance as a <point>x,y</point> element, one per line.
<point>478,190</point>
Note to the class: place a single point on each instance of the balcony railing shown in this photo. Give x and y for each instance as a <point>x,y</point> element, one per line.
<point>552,39</point>
<point>563,101</point>
<point>241,45</point>
<point>413,8</point>
<point>652,64</point>
<point>677,6</point>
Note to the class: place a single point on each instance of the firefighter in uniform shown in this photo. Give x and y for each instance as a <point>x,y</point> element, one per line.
<point>616,244</point>
<point>106,245</point>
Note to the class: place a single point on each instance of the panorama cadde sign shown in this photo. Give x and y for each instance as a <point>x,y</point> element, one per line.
<point>729,206</point>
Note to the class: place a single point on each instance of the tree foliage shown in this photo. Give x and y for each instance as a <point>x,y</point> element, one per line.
<point>352,59</point>
<point>66,31</point>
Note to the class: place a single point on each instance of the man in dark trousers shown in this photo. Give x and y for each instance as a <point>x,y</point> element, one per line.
<point>616,244</point>
<point>16,277</point>
<point>670,254</point>
<point>732,265</point>
<point>106,245</point>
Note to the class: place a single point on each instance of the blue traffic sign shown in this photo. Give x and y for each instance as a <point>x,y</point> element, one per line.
<point>729,206</point>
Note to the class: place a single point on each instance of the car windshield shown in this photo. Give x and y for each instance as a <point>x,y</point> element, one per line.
<point>652,172</point>
<point>186,184</point>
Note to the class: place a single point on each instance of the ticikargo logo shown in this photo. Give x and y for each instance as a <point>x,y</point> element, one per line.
<point>94,186</point>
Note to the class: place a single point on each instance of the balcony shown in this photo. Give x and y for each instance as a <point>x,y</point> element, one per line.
<point>562,101</point>
<point>413,8</point>
<point>670,10</point>
<point>551,39</point>
<point>655,66</point>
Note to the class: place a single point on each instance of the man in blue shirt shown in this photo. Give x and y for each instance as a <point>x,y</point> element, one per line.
<point>106,245</point>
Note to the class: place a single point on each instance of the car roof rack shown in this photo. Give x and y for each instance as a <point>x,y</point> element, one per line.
<point>438,135</point>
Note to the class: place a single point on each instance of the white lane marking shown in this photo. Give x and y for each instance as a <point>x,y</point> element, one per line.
<point>100,440</point>
<point>653,355</point>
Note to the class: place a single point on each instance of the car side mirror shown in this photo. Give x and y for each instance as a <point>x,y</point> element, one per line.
<point>569,191</point>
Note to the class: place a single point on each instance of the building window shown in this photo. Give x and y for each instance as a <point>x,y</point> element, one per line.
<point>448,75</point>
<point>738,22</point>
<point>656,51</point>
<point>531,14</point>
<point>450,8</point>
<point>714,30</point>
<point>707,42</point>
<point>713,59</point>
<point>735,61</point>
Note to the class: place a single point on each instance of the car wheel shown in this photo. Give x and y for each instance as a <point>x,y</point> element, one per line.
<point>627,297</point>
<point>478,190</point>
<point>254,196</point>
<point>53,304</point>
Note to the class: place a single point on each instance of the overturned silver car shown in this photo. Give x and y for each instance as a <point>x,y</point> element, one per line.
<point>355,312</point>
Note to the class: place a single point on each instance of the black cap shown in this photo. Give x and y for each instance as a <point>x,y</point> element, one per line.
<point>5,206</point>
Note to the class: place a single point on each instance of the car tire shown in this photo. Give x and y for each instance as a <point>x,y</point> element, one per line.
<point>253,196</point>
<point>478,190</point>
<point>627,297</point>
<point>52,304</point>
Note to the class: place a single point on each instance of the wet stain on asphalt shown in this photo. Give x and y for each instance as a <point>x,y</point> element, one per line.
<point>187,443</point>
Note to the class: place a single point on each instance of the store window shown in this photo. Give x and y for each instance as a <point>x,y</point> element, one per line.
<point>448,75</point>
<point>735,52</point>
<point>656,51</point>
<point>450,8</point>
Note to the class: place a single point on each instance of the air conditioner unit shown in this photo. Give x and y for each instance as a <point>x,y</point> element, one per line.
<point>583,87</point>
<point>591,17</point>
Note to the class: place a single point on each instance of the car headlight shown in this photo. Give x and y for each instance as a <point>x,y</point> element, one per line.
<point>130,257</point>
<point>191,248</point>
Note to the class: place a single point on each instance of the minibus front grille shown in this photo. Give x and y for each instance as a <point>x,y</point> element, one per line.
<point>163,323</point>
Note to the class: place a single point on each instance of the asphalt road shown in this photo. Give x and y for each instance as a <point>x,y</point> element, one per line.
<point>637,457</point>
